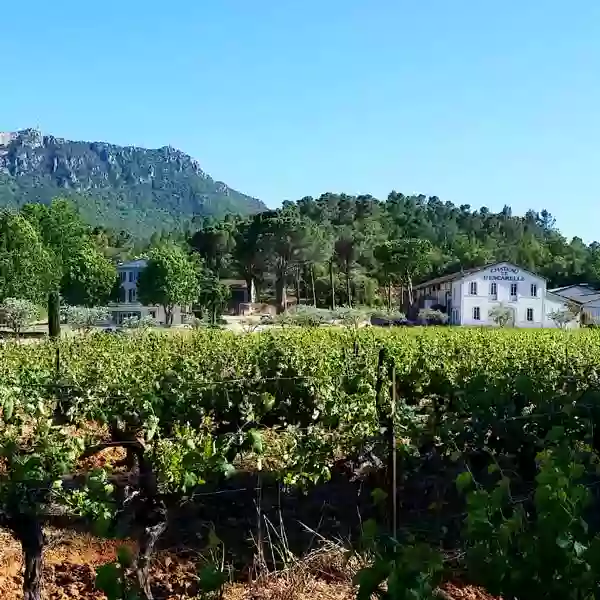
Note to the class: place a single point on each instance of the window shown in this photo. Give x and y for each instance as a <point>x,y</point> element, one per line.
<point>534,290</point>
<point>473,288</point>
<point>513,289</point>
<point>530,314</point>
<point>122,276</point>
<point>476,313</point>
<point>131,295</point>
<point>130,276</point>
<point>493,289</point>
<point>152,313</point>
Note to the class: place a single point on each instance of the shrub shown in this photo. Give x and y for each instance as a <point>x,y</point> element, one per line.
<point>501,315</point>
<point>19,313</point>
<point>430,316</point>
<point>83,318</point>
<point>352,317</point>
<point>136,323</point>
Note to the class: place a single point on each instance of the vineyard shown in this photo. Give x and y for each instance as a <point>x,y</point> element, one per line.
<point>437,454</point>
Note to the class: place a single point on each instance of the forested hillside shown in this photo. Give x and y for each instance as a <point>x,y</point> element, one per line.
<point>361,244</point>
<point>124,188</point>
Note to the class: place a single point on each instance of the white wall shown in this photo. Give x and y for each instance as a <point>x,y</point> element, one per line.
<point>503,275</point>
<point>456,311</point>
<point>554,303</point>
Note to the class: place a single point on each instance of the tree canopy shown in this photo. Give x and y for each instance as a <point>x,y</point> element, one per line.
<point>341,249</point>
<point>170,278</point>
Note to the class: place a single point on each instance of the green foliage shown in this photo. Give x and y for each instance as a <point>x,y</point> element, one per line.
<point>89,278</point>
<point>352,317</point>
<point>501,315</point>
<point>304,316</point>
<point>112,580</point>
<point>143,323</point>
<point>200,401</point>
<point>431,316</point>
<point>563,318</point>
<point>513,551</point>
<point>18,313</point>
<point>399,570</point>
<point>170,278</point>
<point>27,267</point>
<point>213,296</point>
<point>340,249</point>
<point>85,318</point>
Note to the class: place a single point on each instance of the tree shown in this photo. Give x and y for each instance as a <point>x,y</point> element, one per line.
<point>89,277</point>
<point>170,278</point>
<point>501,315</point>
<point>214,243</point>
<point>563,317</point>
<point>213,296</point>
<point>346,250</point>
<point>413,259</point>
<point>27,267</point>
<point>247,255</point>
<point>282,239</point>
<point>390,258</point>
<point>319,250</point>
<point>18,313</point>
<point>86,276</point>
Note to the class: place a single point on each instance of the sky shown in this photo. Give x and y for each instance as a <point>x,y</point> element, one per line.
<point>478,102</point>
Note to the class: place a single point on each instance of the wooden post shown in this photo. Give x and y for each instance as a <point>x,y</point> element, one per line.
<point>393,451</point>
<point>54,315</point>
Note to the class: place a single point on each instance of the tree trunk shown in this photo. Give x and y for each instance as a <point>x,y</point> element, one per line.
<point>147,542</point>
<point>28,531</point>
<point>389,296</point>
<point>298,285</point>
<point>312,285</point>
<point>348,287</point>
<point>168,315</point>
<point>251,290</point>
<point>332,285</point>
<point>410,292</point>
<point>54,315</point>
<point>280,293</point>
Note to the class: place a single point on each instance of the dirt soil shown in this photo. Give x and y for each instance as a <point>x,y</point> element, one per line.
<point>71,558</point>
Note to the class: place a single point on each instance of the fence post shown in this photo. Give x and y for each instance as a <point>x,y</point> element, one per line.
<point>393,452</point>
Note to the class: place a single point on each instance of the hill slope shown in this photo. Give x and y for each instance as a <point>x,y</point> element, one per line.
<point>122,187</point>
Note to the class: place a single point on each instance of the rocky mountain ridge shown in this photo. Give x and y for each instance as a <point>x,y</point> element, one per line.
<point>123,187</point>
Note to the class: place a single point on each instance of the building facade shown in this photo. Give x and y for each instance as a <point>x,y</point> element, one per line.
<point>583,296</point>
<point>129,305</point>
<point>468,297</point>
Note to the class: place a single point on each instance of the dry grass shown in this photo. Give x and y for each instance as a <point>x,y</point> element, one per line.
<point>326,573</point>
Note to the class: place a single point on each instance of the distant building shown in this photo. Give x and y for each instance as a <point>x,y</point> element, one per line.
<point>585,297</point>
<point>468,296</point>
<point>129,305</point>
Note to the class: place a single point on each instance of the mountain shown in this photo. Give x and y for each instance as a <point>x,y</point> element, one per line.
<point>121,187</point>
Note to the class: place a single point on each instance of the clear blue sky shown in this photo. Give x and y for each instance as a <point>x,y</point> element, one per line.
<point>479,102</point>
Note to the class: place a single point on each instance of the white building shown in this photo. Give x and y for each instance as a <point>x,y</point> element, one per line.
<point>469,296</point>
<point>129,306</point>
<point>585,297</point>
